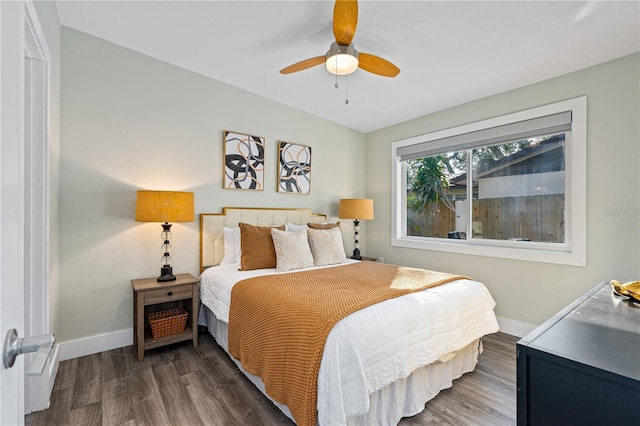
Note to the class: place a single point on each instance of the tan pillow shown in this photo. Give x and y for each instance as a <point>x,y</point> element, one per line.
<point>323,225</point>
<point>257,247</point>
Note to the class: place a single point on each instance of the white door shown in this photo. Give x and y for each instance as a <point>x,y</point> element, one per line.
<point>24,202</point>
<point>11,202</point>
<point>36,207</point>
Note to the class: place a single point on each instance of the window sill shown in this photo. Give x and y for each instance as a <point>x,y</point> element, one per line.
<point>534,252</point>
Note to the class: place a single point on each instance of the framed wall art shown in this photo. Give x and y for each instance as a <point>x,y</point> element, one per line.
<point>243,161</point>
<point>294,168</point>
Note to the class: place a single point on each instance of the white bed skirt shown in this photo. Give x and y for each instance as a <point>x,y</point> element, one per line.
<point>403,398</point>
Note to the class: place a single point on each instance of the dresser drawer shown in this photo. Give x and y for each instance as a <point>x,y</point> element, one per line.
<point>167,294</point>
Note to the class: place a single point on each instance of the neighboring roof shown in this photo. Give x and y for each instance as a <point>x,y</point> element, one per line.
<point>540,158</point>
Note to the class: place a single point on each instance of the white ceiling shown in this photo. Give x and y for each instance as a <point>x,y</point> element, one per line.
<point>449,52</point>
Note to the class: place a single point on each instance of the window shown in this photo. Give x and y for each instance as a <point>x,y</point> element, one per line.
<point>513,186</point>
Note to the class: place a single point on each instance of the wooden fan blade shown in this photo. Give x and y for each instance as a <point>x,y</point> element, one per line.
<point>377,65</point>
<point>345,19</point>
<point>303,65</point>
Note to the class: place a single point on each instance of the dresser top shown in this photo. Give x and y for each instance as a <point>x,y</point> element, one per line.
<point>600,329</point>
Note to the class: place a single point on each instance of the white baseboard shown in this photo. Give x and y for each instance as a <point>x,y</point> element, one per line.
<point>515,328</point>
<point>95,344</point>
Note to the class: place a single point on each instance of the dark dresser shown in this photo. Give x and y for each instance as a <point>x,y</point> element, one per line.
<point>582,367</point>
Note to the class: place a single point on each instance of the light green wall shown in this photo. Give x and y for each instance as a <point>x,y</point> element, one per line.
<point>131,122</point>
<point>531,292</point>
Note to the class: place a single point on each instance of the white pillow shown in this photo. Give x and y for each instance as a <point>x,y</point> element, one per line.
<point>326,246</point>
<point>289,227</point>
<point>232,245</point>
<point>292,249</point>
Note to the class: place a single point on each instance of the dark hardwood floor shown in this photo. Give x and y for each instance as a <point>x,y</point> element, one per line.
<point>182,385</point>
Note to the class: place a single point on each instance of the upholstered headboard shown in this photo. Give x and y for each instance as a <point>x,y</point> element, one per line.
<point>211,225</point>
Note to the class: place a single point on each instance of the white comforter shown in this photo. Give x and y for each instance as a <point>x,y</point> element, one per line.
<point>376,346</point>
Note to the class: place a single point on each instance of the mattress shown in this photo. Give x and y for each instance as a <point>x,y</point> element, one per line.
<point>375,347</point>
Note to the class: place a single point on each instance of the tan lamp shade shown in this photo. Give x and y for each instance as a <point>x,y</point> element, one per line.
<point>356,208</point>
<point>164,206</point>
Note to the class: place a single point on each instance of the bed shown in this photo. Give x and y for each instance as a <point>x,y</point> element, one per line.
<point>379,363</point>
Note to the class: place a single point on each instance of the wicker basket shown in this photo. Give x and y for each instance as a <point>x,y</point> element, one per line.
<point>166,323</point>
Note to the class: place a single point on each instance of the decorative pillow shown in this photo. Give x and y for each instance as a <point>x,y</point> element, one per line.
<point>323,225</point>
<point>231,245</point>
<point>326,246</point>
<point>289,227</point>
<point>256,245</point>
<point>292,249</point>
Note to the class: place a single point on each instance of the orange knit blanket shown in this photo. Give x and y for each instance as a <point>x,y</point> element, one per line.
<point>278,324</point>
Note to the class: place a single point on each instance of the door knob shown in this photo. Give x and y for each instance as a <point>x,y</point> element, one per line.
<point>14,346</point>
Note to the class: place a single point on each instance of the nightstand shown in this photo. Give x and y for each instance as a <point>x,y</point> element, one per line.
<point>370,259</point>
<point>150,296</point>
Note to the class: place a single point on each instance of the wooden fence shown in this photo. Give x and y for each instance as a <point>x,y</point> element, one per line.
<point>538,218</point>
<point>436,220</point>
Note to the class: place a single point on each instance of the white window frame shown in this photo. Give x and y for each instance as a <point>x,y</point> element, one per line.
<point>571,252</point>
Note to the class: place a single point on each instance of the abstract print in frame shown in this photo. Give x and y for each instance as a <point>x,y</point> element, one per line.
<point>294,168</point>
<point>243,161</point>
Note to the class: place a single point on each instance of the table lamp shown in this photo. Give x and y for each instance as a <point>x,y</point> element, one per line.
<point>165,206</point>
<point>356,209</point>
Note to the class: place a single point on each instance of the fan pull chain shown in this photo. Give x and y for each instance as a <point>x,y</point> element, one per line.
<point>336,85</point>
<point>346,79</point>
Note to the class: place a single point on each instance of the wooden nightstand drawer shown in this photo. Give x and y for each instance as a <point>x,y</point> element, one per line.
<point>167,294</point>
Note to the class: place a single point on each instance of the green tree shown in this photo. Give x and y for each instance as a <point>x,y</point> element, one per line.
<point>428,181</point>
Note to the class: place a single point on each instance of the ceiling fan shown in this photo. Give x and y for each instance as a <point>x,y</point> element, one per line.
<point>342,57</point>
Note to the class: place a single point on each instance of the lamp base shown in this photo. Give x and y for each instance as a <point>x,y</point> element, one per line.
<point>162,279</point>
<point>356,254</point>
<point>166,274</point>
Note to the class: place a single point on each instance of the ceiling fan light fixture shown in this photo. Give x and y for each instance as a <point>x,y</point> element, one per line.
<point>341,59</point>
